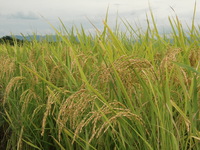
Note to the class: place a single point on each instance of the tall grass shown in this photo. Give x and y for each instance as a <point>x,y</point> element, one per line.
<point>105,91</point>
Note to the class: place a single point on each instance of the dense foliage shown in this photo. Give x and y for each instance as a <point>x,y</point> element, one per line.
<point>105,91</point>
<point>10,40</point>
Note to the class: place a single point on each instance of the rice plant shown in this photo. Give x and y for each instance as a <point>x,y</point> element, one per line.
<point>113,90</point>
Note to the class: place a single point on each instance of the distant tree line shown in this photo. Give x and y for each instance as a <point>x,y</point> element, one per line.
<point>10,40</point>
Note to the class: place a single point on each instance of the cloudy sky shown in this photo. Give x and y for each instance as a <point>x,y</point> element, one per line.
<point>27,16</point>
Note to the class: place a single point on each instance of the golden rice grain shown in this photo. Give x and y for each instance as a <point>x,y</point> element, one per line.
<point>14,83</point>
<point>51,100</point>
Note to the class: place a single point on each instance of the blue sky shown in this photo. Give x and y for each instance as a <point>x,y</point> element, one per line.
<point>25,16</point>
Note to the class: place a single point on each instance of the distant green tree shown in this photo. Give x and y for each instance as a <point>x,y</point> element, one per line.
<point>10,40</point>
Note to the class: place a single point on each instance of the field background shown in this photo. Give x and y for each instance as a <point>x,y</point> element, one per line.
<point>112,90</point>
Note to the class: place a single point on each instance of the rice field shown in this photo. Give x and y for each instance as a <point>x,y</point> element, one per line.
<point>115,90</point>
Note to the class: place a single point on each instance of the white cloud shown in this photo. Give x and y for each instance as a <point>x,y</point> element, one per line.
<point>23,16</point>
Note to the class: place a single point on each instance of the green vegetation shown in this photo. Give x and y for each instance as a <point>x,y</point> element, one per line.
<point>113,90</point>
<point>10,40</point>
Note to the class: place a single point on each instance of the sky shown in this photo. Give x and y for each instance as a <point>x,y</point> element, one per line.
<point>34,16</point>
